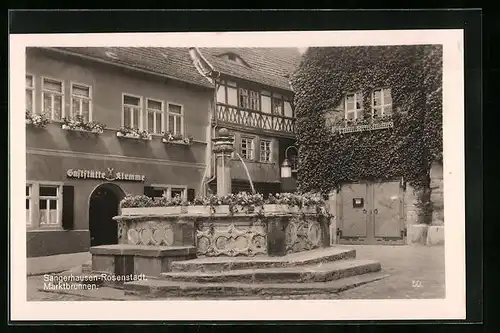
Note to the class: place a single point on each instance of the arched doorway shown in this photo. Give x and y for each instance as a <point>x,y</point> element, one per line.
<point>103,206</point>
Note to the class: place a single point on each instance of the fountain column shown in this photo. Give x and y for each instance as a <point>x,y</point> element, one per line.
<point>223,148</point>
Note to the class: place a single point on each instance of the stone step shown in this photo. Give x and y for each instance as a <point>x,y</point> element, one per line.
<point>320,272</point>
<point>157,288</point>
<point>218,264</point>
<point>87,267</point>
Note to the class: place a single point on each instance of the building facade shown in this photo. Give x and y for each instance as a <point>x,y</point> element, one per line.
<point>371,128</point>
<point>76,178</point>
<point>254,101</point>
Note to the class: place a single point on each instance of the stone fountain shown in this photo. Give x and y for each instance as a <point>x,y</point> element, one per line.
<point>197,246</point>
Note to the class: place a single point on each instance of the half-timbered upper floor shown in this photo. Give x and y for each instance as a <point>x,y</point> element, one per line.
<point>253,90</point>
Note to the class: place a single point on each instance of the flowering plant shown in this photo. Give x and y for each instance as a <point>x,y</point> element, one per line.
<point>297,199</point>
<point>177,137</point>
<point>133,201</point>
<point>244,202</point>
<point>236,202</point>
<point>37,120</point>
<point>130,201</point>
<point>135,132</point>
<point>79,123</point>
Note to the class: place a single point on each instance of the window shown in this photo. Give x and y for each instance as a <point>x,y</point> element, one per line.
<point>232,93</point>
<point>247,148</point>
<point>381,102</point>
<point>53,98</point>
<point>30,93</point>
<point>277,105</point>
<point>167,191</point>
<point>178,192</point>
<point>49,205</point>
<point>231,57</point>
<point>155,116</point>
<point>266,101</point>
<point>175,119</point>
<point>29,203</point>
<point>249,99</point>
<point>353,106</point>
<point>221,93</point>
<point>254,100</point>
<point>81,101</point>
<point>158,192</point>
<point>288,109</point>
<point>132,111</point>
<point>244,98</point>
<point>265,150</point>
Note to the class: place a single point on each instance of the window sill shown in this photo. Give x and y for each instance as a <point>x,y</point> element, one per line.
<point>67,128</point>
<point>44,228</point>
<point>133,136</point>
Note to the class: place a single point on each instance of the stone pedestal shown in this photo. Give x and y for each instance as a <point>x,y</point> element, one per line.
<point>416,234</point>
<point>223,148</point>
<point>332,208</point>
<point>435,235</point>
<point>437,195</point>
<point>124,259</point>
<point>410,209</point>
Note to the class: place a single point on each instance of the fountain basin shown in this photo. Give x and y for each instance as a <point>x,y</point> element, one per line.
<point>216,231</point>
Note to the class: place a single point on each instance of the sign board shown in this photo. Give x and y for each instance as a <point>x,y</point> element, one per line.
<point>109,175</point>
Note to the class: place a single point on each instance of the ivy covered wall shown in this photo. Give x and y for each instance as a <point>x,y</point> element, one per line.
<point>328,158</point>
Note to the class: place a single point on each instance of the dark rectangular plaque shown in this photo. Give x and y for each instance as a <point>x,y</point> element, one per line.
<point>358,202</point>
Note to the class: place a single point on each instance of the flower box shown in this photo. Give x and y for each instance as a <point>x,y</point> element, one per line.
<point>176,142</point>
<point>198,210</point>
<point>281,208</point>
<point>133,136</point>
<point>77,129</point>
<point>173,210</point>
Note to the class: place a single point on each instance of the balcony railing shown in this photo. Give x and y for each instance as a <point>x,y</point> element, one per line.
<point>257,119</point>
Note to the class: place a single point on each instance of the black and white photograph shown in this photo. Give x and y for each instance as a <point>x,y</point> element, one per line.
<point>302,167</point>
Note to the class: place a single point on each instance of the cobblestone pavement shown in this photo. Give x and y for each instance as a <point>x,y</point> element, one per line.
<point>415,272</point>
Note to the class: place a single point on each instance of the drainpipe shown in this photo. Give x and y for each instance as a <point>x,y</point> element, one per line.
<point>207,70</point>
<point>215,75</point>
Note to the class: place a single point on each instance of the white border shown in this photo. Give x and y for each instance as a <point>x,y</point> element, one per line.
<point>453,307</point>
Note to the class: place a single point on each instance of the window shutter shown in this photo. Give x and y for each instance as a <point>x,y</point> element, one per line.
<point>68,201</point>
<point>148,190</point>
<point>190,194</point>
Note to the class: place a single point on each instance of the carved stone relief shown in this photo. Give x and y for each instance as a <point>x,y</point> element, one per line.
<point>159,233</point>
<point>214,239</point>
<point>302,235</point>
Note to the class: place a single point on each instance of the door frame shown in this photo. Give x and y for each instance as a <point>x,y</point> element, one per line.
<point>115,189</point>
<point>370,217</point>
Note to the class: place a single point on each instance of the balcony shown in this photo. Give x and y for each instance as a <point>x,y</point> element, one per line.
<point>265,122</point>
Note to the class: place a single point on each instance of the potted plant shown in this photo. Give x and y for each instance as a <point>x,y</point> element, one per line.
<point>177,138</point>
<point>144,205</point>
<point>134,133</point>
<point>78,123</point>
<point>37,120</point>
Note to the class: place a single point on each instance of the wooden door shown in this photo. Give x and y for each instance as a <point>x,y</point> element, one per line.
<point>371,213</point>
<point>354,202</point>
<point>387,213</point>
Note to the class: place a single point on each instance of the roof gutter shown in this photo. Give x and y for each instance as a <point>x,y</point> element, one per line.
<point>124,66</point>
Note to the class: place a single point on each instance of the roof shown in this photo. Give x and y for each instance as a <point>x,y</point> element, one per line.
<point>269,66</point>
<point>172,62</point>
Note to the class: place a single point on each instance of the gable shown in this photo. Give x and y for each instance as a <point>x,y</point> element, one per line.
<point>233,57</point>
